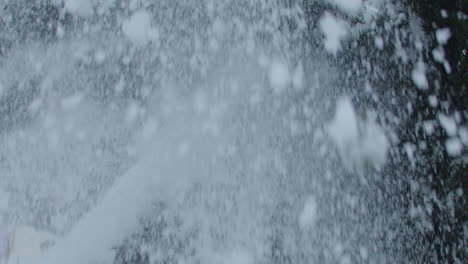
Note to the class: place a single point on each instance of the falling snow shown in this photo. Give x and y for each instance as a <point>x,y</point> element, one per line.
<point>233,132</point>
<point>334,30</point>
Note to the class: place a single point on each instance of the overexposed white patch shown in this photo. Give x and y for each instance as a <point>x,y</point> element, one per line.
<point>343,129</point>
<point>359,142</point>
<point>439,55</point>
<point>138,28</point>
<point>453,146</point>
<point>448,123</point>
<point>443,13</point>
<point>279,76</point>
<point>433,101</point>
<point>443,35</point>
<point>375,144</point>
<point>334,30</point>
<point>419,76</point>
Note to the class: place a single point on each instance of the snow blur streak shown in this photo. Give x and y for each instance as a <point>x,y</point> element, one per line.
<point>159,176</point>
<point>105,223</point>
